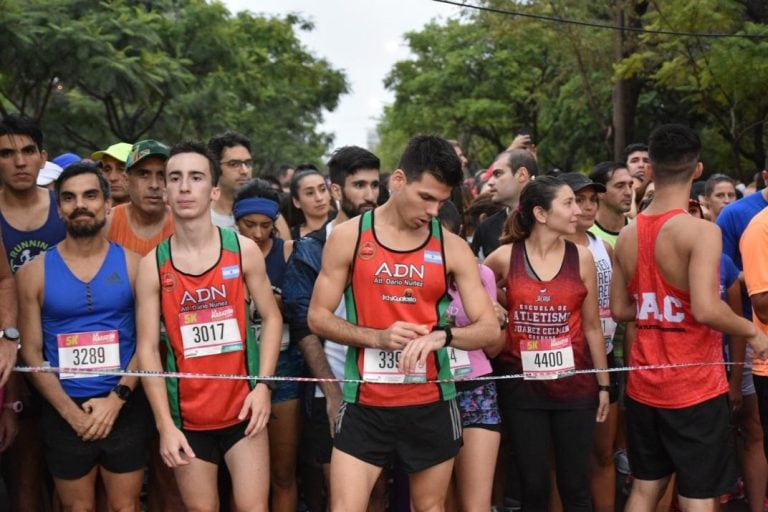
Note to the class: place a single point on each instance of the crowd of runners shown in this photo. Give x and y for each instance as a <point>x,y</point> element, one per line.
<point>348,339</point>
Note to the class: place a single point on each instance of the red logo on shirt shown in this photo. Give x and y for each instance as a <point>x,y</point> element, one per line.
<point>367,250</point>
<point>168,281</point>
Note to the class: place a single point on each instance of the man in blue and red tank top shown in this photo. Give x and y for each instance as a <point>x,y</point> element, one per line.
<point>199,281</point>
<point>394,262</point>
<point>77,313</point>
<point>678,418</point>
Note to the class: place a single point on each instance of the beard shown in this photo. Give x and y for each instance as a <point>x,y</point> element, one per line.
<point>352,210</point>
<point>84,230</point>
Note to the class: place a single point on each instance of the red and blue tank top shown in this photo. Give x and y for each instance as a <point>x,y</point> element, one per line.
<point>667,333</point>
<point>386,286</point>
<point>545,337</point>
<point>206,320</point>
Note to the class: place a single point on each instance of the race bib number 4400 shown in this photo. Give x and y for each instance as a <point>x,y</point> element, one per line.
<point>546,359</point>
<point>88,351</point>
<point>209,332</point>
<point>383,366</point>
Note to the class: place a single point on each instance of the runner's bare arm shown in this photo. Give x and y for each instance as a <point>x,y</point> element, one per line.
<point>483,332</point>
<point>255,275</point>
<point>30,280</point>
<point>737,348</point>
<point>8,316</point>
<point>592,327</point>
<point>329,286</point>
<point>147,293</point>
<point>623,307</point>
<point>498,261</point>
<point>257,405</point>
<point>314,355</point>
<point>703,278</point>
<point>174,449</point>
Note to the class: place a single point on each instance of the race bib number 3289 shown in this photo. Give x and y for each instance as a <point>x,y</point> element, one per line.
<point>88,351</point>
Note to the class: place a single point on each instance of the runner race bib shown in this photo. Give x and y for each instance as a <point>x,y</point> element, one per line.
<point>209,332</point>
<point>459,360</point>
<point>609,328</point>
<point>547,359</point>
<point>88,351</point>
<point>383,366</point>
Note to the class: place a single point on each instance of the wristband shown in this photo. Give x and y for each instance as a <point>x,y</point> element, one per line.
<point>604,388</point>
<point>16,406</point>
<point>270,384</point>
<point>448,334</point>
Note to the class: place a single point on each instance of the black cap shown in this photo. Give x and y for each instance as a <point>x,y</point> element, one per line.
<point>578,182</point>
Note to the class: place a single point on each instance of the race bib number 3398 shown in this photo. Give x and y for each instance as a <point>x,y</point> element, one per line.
<point>88,351</point>
<point>209,332</point>
<point>383,366</point>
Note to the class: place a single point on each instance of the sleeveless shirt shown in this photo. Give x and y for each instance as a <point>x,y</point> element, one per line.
<point>206,319</point>
<point>120,232</point>
<point>22,246</point>
<point>541,312</point>
<point>387,286</point>
<point>88,325</point>
<point>668,333</point>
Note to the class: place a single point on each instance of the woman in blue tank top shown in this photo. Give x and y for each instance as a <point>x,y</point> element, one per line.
<point>255,210</point>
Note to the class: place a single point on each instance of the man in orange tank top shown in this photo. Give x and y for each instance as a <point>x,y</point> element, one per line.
<point>666,280</point>
<point>397,332</point>
<point>140,224</point>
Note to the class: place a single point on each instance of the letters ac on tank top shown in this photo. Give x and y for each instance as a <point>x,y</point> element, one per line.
<point>387,286</point>
<point>22,246</point>
<point>207,332</point>
<point>548,310</point>
<point>668,334</point>
<point>88,325</point>
<point>121,233</point>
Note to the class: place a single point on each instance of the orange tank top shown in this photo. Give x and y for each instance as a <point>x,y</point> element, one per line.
<point>121,233</point>
<point>667,333</point>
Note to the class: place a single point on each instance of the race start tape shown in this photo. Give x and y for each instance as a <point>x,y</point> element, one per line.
<point>221,376</point>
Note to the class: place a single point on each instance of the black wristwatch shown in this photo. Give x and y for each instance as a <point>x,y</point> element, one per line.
<point>272,385</point>
<point>607,389</point>
<point>123,392</point>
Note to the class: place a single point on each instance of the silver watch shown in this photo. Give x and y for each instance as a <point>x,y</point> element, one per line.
<point>11,334</point>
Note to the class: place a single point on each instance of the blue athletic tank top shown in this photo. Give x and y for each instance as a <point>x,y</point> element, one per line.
<point>275,262</point>
<point>88,325</point>
<point>22,246</point>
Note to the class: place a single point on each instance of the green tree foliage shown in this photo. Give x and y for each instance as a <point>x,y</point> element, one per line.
<point>483,76</point>
<point>166,69</point>
<point>719,81</point>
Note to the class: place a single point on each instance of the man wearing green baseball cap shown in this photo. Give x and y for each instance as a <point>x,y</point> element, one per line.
<point>112,162</point>
<point>144,221</point>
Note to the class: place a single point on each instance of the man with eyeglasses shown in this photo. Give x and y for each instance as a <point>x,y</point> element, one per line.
<point>233,153</point>
<point>113,167</point>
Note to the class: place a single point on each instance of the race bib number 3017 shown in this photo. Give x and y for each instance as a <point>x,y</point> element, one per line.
<point>209,332</point>
<point>88,351</point>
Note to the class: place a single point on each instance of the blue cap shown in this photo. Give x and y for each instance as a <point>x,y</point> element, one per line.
<point>66,159</point>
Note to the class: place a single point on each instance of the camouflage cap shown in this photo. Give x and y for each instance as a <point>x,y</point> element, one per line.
<point>144,149</point>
